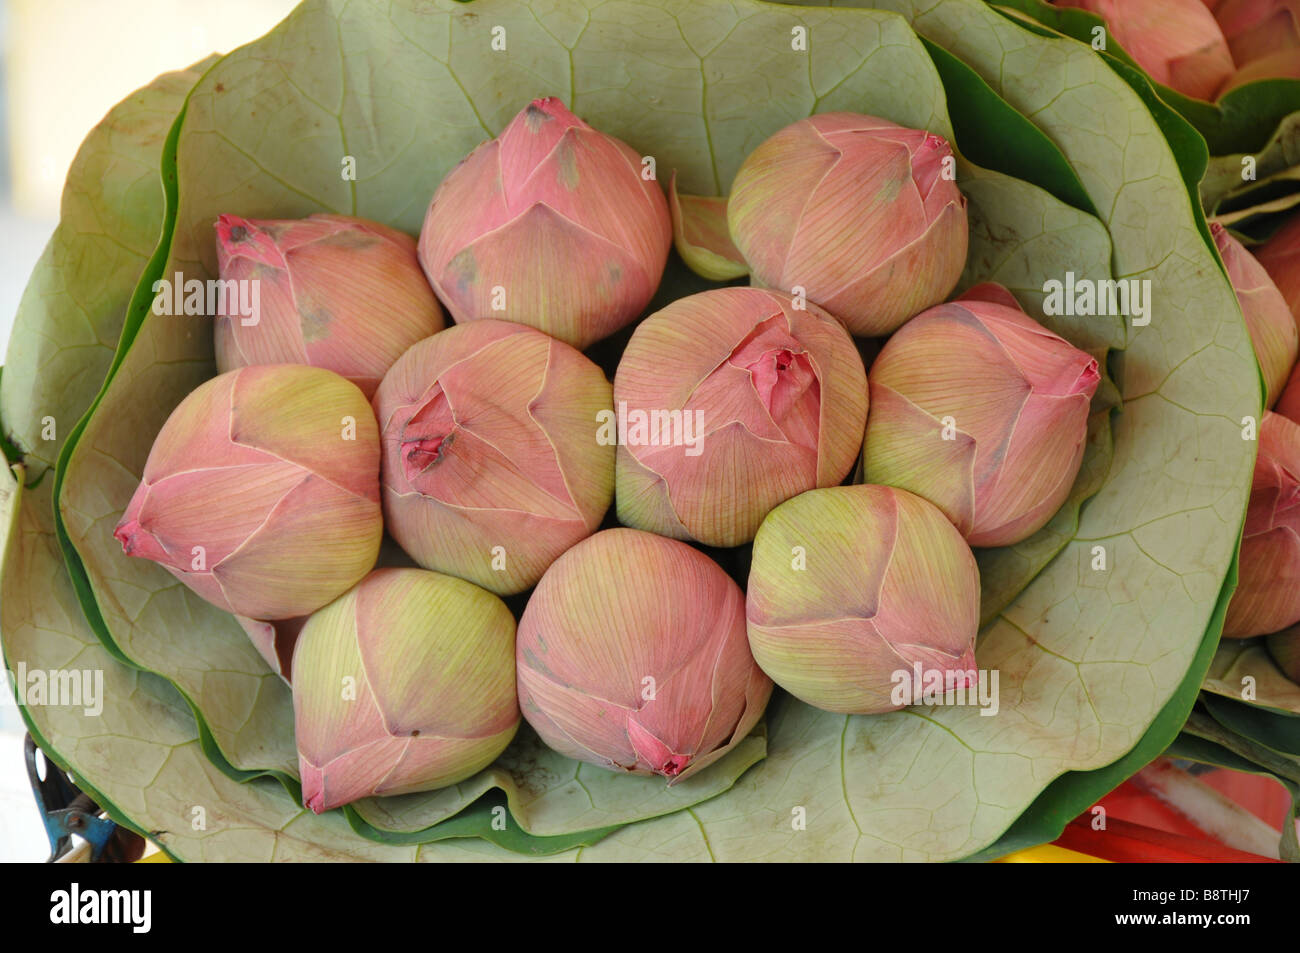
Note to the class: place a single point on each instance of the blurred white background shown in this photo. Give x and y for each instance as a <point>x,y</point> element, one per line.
<point>63,64</point>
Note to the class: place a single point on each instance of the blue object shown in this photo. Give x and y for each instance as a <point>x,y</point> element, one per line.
<point>65,810</point>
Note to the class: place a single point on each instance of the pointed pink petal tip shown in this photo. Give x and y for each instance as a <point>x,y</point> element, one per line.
<point>553,108</point>
<point>1221,237</point>
<point>313,788</point>
<point>649,749</point>
<point>137,541</point>
<point>245,238</point>
<point>927,161</point>
<point>1087,381</point>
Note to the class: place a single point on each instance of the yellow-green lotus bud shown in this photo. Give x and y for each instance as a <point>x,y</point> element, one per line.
<point>851,588</point>
<point>982,411</point>
<point>404,683</point>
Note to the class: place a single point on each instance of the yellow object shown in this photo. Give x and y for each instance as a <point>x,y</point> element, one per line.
<point>1049,854</point>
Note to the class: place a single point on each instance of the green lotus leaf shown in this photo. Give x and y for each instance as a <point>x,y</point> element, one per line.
<point>1244,671</point>
<point>1241,120</point>
<point>1205,740</point>
<point>1233,177</point>
<point>70,315</point>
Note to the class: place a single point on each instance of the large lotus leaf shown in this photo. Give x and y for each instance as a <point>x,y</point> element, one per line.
<point>70,315</point>
<point>1086,658</point>
<point>1241,119</point>
<point>550,795</point>
<point>1244,671</point>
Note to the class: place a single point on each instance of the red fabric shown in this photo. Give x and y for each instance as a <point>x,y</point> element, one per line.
<point>1141,828</point>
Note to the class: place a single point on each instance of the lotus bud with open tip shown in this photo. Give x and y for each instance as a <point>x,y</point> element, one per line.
<point>632,655</point>
<point>862,214</point>
<point>1272,329</point>
<point>1268,584</point>
<point>1177,42</point>
<point>491,463</point>
<point>551,224</point>
<point>261,492</point>
<point>405,683</point>
<point>335,292</point>
<point>852,585</point>
<point>982,411</point>
<point>730,401</point>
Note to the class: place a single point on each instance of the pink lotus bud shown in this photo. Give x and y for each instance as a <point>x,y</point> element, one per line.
<point>1268,586</point>
<point>632,656</point>
<point>1280,256</point>
<point>551,224</point>
<point>1284,646</point>
<point>491,463</point>
<point>405,683</point>
<point>335,292</point>
<point>1268,319</point>
<point>984,412</point>
<point>885,584</point>
<point>1256,29</point>
<point>858,212</point>
<point>261,492</point>
<point>729,402</point>
<point>1177,42</point>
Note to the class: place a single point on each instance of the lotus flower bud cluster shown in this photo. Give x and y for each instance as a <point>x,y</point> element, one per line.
<point>859,212</point>
<point>982,411</point>
<point>888,584</point>
<point>1267,598</point>
<point>551,224</point>
<point>632,655</point>
<point>1272,329</point>
<point>335,292</point>
<point>492,450</point>
<point>1280,256</point>
<point>729,402</point>
<point>491,466</point>
<point>405,683</point>
<point>1177,42</point>
<point>261,492</point>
